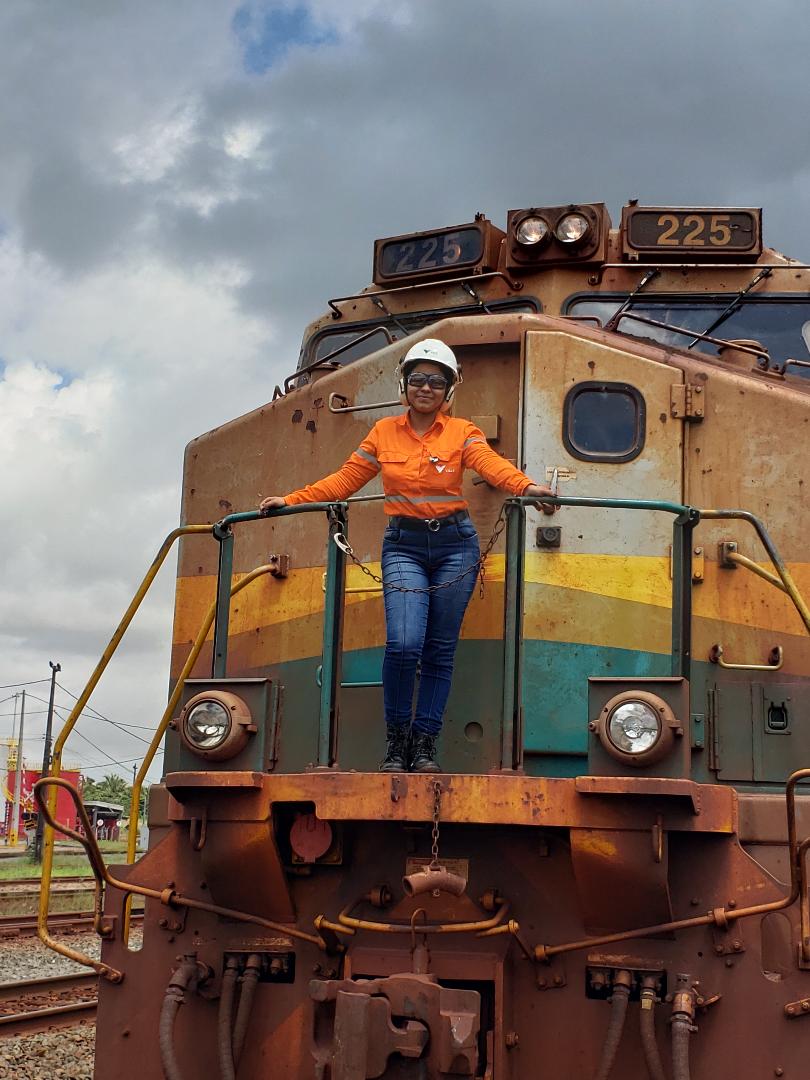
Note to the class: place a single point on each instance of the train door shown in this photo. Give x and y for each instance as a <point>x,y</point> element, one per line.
<point>598,585</point>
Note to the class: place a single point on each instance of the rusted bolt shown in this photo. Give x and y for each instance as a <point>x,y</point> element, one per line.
<point>698,412</point>
<point>732,904</point>
<point>695,901</point>
<point>542,983</point>
<point>729,963</point>
<point>558,980</point>
<point>778,1071</point>
<point>163,923</point>
<point>806,1006</point>
<point>125,1033</point>
<point>719,950</point>
<point>698,551</point>
<point>512,1039</point>
<point>737,946</point>
<point>698,389</point>
<point>592,726</point>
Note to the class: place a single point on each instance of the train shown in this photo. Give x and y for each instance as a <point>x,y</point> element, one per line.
<point>609,876</point>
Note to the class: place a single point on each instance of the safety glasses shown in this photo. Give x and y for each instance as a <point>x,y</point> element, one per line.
<point>419,378</point>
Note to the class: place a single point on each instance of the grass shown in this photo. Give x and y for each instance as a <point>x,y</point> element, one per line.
<point>65,863</point>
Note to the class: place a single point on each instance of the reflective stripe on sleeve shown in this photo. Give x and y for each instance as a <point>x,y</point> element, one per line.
<point>368,457</point>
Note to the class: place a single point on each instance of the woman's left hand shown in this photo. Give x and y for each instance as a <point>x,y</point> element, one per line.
<point>537,491</point>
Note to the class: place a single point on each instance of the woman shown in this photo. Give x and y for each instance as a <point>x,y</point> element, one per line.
<point>430,550</point>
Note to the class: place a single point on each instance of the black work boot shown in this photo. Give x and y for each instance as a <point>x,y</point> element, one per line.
<point>423,753</point>
<point>396,750</point>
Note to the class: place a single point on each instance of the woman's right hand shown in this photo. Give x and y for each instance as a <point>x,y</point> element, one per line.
<point>272,502</point>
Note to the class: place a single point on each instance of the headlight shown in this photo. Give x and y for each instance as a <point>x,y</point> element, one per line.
<point>531,231</point>
<point>572,229</point>
<point>634,727</point>
<point>216,724</point>
<point>207,725</point>
<point>637,727</point>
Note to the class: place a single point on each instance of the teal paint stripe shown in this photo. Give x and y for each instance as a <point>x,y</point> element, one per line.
<point>555,689</point>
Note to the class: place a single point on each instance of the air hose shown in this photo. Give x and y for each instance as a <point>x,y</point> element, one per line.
<point>184,977</point>
<point>649,1044</point>
<point>249,981</point>
<point>225,1019</point>
<point>618,1012</point>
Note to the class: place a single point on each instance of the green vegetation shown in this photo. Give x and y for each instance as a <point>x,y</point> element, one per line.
<point>114,789</point>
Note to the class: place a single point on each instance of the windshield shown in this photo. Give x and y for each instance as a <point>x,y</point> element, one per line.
<point>345,344</point>
<point>775,324</point>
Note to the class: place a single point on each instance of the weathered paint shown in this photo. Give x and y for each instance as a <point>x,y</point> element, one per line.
<point>569,852</point>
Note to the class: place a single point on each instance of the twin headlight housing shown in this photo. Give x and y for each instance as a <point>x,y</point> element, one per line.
<point>533,230</point>
<point>216,724</point>
<point>557,234</point>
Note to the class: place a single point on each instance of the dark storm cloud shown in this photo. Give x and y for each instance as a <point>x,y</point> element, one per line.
<point>72,217</point>
<point>410,126</point>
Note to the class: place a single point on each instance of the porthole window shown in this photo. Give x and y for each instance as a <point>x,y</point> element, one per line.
<point>603,421</point>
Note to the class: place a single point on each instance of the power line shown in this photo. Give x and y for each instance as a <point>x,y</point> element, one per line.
<point>98,716</point>
<point>105,765</point>
<point>31,682</point>
<point>101,716</point>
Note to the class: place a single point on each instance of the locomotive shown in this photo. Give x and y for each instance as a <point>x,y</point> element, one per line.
<point>609,878</point>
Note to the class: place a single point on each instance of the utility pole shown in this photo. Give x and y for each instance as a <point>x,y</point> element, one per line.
<point>46,758</point>
<point>6,804</point>
<point>15,811</point>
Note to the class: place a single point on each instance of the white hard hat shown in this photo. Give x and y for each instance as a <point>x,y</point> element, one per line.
<point>434,351</point>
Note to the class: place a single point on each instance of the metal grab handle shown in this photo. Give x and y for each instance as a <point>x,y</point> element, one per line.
<point>347,408</point>
<point>776,658</point>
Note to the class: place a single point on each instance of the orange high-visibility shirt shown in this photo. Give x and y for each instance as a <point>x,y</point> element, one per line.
<point>421,475</point>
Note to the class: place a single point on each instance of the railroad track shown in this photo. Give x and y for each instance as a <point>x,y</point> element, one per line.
<point>59,922</point>
<point>74,879</point>
<point>35,1005</point>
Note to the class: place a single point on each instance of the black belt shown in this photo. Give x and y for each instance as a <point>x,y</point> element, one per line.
<point>399,521</point>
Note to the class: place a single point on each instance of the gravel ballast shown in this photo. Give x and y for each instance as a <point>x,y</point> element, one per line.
<point>64,1054</point>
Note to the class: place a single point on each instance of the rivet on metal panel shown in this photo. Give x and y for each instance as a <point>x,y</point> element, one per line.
<point>698,566</point>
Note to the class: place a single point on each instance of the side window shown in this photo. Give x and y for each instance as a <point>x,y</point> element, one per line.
<point>603,421</point>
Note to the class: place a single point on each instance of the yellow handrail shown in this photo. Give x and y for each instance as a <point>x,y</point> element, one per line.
<point>157,738</point>
<point>70,723</point>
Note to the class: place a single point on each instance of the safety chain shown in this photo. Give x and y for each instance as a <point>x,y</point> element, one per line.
<point>434,847</point>
<point>476,567</point>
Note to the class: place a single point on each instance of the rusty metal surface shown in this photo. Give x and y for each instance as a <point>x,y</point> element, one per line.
<point>564,1029</point>
<point>441,1027</point>
<point>622,878</point>
<point>496,799</point>
<point>572,856</point>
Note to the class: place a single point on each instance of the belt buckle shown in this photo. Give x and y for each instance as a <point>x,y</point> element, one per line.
<point>433,524</point>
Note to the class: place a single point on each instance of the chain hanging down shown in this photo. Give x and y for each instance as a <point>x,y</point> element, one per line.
<point>477,567</point>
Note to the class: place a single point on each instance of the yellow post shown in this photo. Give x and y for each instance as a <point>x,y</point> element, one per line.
<point>70,723</point>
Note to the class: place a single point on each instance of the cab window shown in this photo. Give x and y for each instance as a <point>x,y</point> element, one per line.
<point>603,421</point>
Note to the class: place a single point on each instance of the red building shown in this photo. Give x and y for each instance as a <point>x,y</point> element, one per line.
<point>65,810</point>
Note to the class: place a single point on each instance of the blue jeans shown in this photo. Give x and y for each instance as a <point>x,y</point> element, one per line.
<point>424,626</point>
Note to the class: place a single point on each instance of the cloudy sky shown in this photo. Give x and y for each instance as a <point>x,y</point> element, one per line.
<point>184,183</point>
